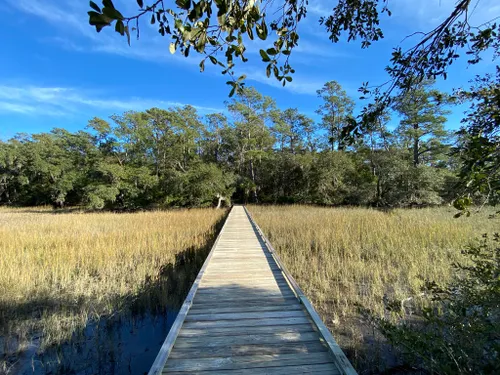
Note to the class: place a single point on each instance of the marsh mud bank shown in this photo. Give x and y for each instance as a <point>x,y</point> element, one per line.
<point>112,346</point>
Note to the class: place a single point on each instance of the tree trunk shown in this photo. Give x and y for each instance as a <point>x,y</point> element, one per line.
<point>252,171</point>
<point>221,198</point>
<point>416,144</point>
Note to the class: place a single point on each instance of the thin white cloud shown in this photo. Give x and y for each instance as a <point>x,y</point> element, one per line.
<point>17,108</point>
<point>60,101</point>
<point>62,14</point>
<point>71,16</point>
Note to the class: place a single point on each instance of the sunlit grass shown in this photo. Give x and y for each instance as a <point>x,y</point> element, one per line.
<point>57,271</point>
<point>344,257</point>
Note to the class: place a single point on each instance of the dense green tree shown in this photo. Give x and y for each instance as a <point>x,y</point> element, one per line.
<point>329,177</point>
<point>479,141</point>
<point>423,111</point>
<point>335,111</point>
<point>259,153</point>
<point>193,26</point>
<point>294,132</point>
<point>253,139</point>
<point>13,160</point>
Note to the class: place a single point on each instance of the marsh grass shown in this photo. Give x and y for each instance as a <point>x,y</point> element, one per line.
<point>60,271</point>
<point>349,257</point>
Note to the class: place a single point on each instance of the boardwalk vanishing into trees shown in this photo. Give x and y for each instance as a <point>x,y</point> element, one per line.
<point>245,314</point>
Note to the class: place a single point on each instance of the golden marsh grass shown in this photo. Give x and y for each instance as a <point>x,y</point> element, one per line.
<point>342,257</point>
<point>59,270</point>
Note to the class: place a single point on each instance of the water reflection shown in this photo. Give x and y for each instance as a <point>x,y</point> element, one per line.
<point>121,346</point>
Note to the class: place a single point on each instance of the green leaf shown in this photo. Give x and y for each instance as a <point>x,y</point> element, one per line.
<point>221,19</point>
<point>231,93</point>
<point>242,77</point>
<point>213,59</point>
<point>98,20</point>
<point>95,7</point>
<point>172,48</point>
<point>222,8</point>
<point>288,78</point>
<point>271,51</point>
<point>112,13</point>
<point>120,27</point>
<point>259,31</point>
<point>153,19</point>
<point>108,3</point>
<point>140,3</point>
<point>264,28</point>
<point>202,66</point>
<point>183,4</point>
<point>264,56</point>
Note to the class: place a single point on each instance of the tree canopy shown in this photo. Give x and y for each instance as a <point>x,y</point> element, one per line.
<point>255,152</point>
<point>215,28</point>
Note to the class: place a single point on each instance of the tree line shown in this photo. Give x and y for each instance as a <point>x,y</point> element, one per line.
<point>254,152</point>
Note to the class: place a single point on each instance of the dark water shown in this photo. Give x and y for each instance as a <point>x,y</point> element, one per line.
<point>111,347</point>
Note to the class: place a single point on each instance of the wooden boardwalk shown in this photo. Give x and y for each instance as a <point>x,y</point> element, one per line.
<point>246,315</point>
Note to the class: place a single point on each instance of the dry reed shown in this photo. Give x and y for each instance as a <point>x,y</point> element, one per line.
<point>58,271</point>
<point>344,257</point>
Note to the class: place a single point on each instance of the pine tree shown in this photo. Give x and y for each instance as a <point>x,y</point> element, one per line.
<point>337,107</point>
<point>423,111</point>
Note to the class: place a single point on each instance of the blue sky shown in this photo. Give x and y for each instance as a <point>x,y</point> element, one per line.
<point>56,71</point>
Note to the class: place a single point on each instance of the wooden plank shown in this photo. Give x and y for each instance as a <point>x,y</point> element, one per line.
<point>231,350</point>
<point>235,309</point>
<point>239,288</point>
<point>245,362</point>
<point>237,273</point>
<point>256,301</point>
<point>247,277</point>
<point>272,291</point>
<point>247,322</point>
<point>250,339</point>
<point>230,331</point>
<point>242,294</point>
<point>243,283</point>
<point>257,269</point>
<point>325,368</point>
<point>245,315</point>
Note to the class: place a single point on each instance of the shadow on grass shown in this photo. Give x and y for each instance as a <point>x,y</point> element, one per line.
<point>125,342</point>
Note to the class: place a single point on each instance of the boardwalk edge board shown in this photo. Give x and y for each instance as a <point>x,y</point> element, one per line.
<point>340,359</point>
<point>168,344</point>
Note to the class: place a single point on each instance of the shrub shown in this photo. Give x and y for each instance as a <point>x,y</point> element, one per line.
<point>459,332</point>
